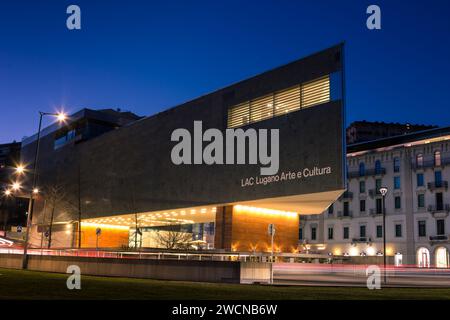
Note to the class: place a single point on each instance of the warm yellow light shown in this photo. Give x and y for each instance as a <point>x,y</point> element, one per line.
<point>103,226</point>
<point>265,211</point>
<point>371,251</point>
<point>354,251</point>
<point>7,192</point>
<point>337,252</point>
<point>20,169</point>
<point>35,190</point>
<point>61,117</point>
<point>389,251</point>
<point>16,186</point>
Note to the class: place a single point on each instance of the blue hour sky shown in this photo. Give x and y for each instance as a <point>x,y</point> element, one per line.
<point>146,56</point>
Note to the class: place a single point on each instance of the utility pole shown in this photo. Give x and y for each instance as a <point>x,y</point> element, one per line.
<point>383,192</point>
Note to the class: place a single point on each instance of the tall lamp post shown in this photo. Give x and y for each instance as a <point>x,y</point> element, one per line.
<point>383,191</point>
<point>61,117</point>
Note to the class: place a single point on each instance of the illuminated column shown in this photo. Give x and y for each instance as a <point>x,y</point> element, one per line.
<point>223,225</point>
<point>244,228</point>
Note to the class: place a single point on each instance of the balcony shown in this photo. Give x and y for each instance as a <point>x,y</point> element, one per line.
<point>437,185</point>
<point>429,164</point>
<point>374,192</point>
<point>374,212</point>
<point>347,195</point>
<point>367,172</point>
<point>441,238</point>
<point>310,217</point>
<point>362,240</point>
<point>440,210</point>
<point>342,214</point>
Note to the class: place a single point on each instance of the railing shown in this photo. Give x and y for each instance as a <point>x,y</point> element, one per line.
<point>439,208</point>
<point>374,192</point>
<point>347,195</point>
<point>154,255</point>
<point>347,214</point>
<point>310,217</point>
<point>438,185</point>
<point>374,212</point>
<point>367,172</point>
<point>439,238</point>
<point>429,163</point>
<point>361,239</point>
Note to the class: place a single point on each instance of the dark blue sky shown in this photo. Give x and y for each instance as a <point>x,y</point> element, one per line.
<point>146,56</point>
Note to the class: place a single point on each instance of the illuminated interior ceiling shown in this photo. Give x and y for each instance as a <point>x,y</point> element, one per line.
<point>159,218</point>
<point>312,203</point>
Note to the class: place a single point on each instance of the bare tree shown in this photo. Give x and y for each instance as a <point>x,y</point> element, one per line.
<point>58,207</point>
<point>173,239</point>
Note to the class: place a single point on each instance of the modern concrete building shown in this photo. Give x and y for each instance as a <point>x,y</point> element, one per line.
<point>264,151</point>
<point>415,169</point>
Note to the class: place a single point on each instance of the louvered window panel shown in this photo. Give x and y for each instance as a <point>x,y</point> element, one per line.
<point>261,108</point>
<point>304,95</point>
<point>287,101</point>
<point>239,115</point>
<point>316,92</point>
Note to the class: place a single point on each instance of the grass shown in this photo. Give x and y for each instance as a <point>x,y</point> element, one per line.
<point>19,284</point>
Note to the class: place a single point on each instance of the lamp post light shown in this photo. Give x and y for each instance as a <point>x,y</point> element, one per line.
<point>383,191</point>
<point>61,117</point>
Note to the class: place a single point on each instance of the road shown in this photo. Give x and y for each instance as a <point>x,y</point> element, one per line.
<point>355,275</point>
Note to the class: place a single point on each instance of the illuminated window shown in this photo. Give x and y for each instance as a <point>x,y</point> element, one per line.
<point>316,92</point>
<point>419,160</point>
<point>261,108</point>
<point>287,101</point>
<point>437,158</point>
<point>276,104</point>
<point>239,115</point>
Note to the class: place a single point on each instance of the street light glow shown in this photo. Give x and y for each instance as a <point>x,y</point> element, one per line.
<point>383,191</point>
<point>7,192</point>
<point>35,190</point>
<point>61,116</point>
<point>16,186</point>
<point>20,169</point>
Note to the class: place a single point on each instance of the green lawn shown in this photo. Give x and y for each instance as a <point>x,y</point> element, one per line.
<point>18,284</point>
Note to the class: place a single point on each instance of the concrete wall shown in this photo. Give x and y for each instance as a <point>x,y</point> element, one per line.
<point>201,271</point>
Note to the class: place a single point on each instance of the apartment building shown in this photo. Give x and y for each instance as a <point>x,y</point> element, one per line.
<point>415,168</point>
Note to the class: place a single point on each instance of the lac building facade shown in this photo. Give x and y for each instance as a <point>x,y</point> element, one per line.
<point>112,171</point>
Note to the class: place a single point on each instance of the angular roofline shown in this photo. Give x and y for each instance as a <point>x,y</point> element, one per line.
<point>400,139</point>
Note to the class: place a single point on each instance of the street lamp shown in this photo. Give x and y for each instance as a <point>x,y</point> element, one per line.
<point>383,191</point>
<point>61,117</point>
<point>20,169</point>
<point>16,186</point>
